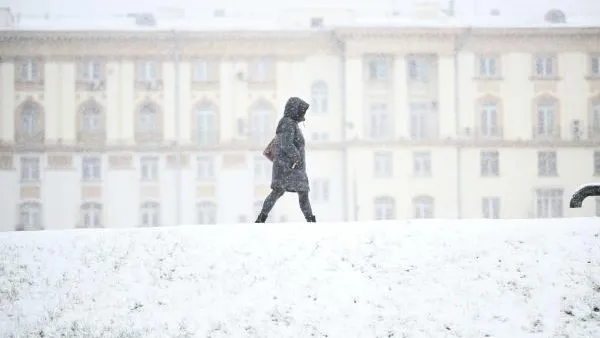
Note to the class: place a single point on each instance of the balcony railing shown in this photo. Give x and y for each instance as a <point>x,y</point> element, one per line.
<point>546,135</point>
<point>495,133</point>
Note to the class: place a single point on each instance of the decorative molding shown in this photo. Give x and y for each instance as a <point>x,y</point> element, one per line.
<point>60,161</point>
<point>120,162</point>
<point>91,192</point>
<point>7,161</point>
<point>204,191</point>
<point>30,192</point>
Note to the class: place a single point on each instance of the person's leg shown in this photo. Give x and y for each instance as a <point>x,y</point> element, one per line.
<point>268,205</point>
<point>305,206</point>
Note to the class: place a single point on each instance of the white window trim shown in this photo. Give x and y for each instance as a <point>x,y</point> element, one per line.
<point>26,71</point>
<point>206,212</point>
<point>490,207</point>
<point>320,190</point>
<point>149,168</point>
<point>423,208</point>
<point>205,168</point>
<point>421,163</point>
<point>488,66</point>
<point>94,213</point>
<point>30,169</point>
<point>547,64</point>
<point>595,65</point>
<point>490,127</point>
<point>150,211</point>
<point>384,208</point>
<point>421,67</point>
<point>549,197</point>
<point>490,163</point>
<point>319,97</point>
<point>91,168</point>
<point>548,160</point>
<point>377,69</point>
<point>92,70</point>
<point>148,70</point>
<point>200,71</point>
<point>31,216</point>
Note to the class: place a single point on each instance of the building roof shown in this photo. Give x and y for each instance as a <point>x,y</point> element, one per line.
<point>289,20</point>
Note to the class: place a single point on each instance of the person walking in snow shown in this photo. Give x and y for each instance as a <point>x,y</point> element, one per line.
<point>286,151</point>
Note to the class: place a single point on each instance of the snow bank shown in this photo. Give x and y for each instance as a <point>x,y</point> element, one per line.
<point>530,278</point>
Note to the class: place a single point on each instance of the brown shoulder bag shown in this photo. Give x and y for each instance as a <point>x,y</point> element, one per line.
<point>269,151</point>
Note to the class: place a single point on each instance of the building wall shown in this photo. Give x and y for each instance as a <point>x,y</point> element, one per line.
<point>234,188</point>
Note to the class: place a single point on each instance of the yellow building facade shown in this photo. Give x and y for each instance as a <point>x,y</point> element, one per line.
<point>149,127</point>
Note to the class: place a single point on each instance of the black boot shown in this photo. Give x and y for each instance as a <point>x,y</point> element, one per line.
<point>261,218</point>
<point>311,219</point>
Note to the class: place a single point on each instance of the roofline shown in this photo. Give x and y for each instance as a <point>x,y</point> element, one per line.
<point>338,32</point>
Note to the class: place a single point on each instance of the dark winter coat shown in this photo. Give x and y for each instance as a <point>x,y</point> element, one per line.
<point>289,149</point>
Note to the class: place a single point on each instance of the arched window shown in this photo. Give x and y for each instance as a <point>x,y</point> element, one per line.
<point>546,117</point>
<point>385,208</point>
<point>30,119</point>
<point>205,125</point>
<point>150,214</point>
<point>319,97</point>
<point>30,216</point>
<point>91,215</point>
<point>489,118</point>
<point>423,207</point>
<point>206,213</point>
<point>262,123</point>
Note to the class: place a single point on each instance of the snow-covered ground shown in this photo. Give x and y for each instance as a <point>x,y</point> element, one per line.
<point>506,279</point>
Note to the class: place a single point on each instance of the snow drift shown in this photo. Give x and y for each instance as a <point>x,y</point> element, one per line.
<point>530,278</point>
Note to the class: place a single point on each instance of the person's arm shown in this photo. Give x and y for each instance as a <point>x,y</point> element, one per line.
<point>286,138</point>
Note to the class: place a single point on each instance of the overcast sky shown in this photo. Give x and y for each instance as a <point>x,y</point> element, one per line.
<point>465,7</point>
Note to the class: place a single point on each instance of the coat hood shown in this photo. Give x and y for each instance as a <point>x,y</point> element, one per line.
<point>296,108</point>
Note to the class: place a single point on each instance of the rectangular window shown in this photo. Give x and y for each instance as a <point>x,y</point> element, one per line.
<point>261,70</point>
<point>147,70</point>
<point>377,68</point>
<point>30,169</point>
<point>200,71</point>
<point>380,122</point>
<point>320,190</point>
<point>419,68</point>
<point>206,168</point>
<point>149,168</point>
<point>547,163</point>
<point>28,70</point>
<point>545,66</point>
<point>422,163</point>
<point>490,163</point>
<point>91,70</point>
<point>595,65</point>
<point>490,207</point>
<point>549,203</point>
<point>383,163</point>
<point>91,168</point>
<point>488,66</point>
<point>262,169</point>
<point>421,120</point>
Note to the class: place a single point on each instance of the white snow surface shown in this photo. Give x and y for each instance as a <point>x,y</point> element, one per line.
<point>429,278</point>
